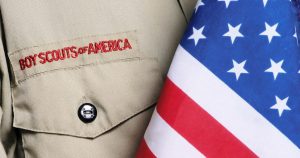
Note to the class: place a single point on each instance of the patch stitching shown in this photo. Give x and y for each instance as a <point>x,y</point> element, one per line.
<point>25,77</point>
<point>77,67</point>
<point>70,40</point>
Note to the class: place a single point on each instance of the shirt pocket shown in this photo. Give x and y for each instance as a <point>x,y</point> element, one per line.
<point>53,81</point>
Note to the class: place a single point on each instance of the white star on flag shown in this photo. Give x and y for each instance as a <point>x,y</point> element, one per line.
<point>270,31</point>
<point>295,35</point>
<point>281,105</point>
<point>227,2</point>
<point>276,68</point>
<point>233,32</point>
<point>265,2</point>
<point>238,69</point>
<point>199,3</point>
<point>197,34</point>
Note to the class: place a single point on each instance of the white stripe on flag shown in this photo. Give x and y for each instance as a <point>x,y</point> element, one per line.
<point>228,108</point>
<point>165,142</point>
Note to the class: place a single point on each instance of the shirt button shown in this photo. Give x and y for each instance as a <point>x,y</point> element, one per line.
<point>87,112</point>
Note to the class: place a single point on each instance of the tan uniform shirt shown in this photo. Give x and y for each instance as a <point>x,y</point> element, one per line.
<point>79,78</point>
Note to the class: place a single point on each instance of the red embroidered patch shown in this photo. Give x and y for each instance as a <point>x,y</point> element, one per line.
<point>74,52</point>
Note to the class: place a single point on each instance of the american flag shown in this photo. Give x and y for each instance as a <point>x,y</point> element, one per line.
<point>233,89</point>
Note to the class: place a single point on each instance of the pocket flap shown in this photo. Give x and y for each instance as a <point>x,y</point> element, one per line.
<point>49,99</point>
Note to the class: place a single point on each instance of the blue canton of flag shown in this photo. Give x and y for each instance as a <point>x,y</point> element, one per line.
<point>252,46</point>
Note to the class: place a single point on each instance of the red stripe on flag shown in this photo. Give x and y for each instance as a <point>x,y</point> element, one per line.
<point>144,151</point>
<point>197,126</point>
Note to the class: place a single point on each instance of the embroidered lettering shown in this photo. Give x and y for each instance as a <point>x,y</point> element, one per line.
<point>74,52</point>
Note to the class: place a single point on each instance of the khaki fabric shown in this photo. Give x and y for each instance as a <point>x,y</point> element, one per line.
<point>188,7</point>
<point>56,55</point>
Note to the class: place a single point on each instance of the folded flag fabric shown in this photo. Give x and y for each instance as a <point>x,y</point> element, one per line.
<point>233,89</point>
